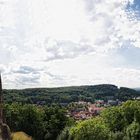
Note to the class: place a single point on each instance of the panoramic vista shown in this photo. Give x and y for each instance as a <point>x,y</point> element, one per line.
<point>69,70</point>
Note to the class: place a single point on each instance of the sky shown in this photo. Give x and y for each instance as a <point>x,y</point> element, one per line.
<point>54,43</point>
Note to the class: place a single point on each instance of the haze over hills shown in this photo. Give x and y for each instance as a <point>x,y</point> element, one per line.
<point>69,94</point>
<point>137,89</point>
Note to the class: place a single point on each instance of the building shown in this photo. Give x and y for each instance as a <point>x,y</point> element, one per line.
<point>95,110</point>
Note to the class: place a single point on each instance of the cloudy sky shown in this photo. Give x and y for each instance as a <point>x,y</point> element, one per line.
<point>50,43</point>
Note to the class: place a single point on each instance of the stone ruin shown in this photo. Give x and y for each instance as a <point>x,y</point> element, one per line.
<point>5,133</point>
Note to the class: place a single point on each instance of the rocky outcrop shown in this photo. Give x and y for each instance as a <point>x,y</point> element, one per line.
<point>5,133</point>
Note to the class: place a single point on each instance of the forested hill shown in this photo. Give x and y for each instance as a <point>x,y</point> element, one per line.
<point>69,94</point>
<point>137,89</point>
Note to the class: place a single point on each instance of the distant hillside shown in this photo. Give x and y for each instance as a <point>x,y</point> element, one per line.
<point>69,94</point>
<point>137,89</point>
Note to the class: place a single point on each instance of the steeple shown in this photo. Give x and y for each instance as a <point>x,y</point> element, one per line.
<point>1,102</point>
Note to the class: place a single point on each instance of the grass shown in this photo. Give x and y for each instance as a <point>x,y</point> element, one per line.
<point>20,136</point>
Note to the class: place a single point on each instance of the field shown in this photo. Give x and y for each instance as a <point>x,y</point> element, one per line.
<point>20,136</point>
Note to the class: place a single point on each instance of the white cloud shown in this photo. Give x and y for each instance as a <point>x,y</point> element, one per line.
<point>68,42</point>
<point>66,49</point>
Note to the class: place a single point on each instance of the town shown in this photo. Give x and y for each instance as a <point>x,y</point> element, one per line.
<point>85,110</point>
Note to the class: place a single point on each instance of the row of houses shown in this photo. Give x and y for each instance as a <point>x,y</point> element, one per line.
<point>90,110</point>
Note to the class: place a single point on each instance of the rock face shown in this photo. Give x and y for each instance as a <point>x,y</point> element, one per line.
<point>1,102</point>
<point>5,133</point>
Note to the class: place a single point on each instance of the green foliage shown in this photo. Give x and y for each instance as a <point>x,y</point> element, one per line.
<point>51,123</point>
<point>115,123</point>
<point>31,122</point>
<point>116,135</point>
<point>131,111</point>
<point>118,118</point>
<point>27,118</point>
<point>93,129</point>
<point>65,95</point>
<point>55,120</point>
<point>125,94</point>
<point>133,131</point>
<point>114,118</point>
<point>39,122</point>
<point>64,135</point>
<point>13,115</point>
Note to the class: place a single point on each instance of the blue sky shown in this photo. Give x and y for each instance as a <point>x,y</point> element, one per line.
<point>134,7</point>
<point>50,43</point>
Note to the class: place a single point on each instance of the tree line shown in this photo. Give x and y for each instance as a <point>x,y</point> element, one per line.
<point>65,95</point>
<point>51,123</point>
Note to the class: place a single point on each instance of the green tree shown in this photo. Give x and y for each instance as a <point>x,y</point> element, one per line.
<point>55,121</point>
<point>131,111</point>
<point>13,116</point>
<point>32,121</point>
<point>116,136</point>
<point>27,118</point>
<point>64,135</point>
<point>93,129</point>
<point>114,119</point>
<point>133,131</point>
